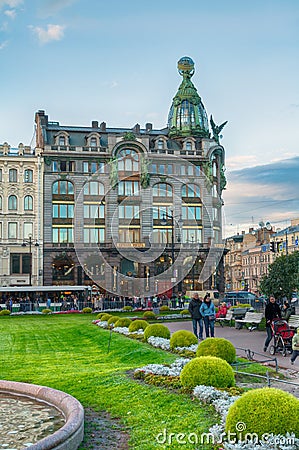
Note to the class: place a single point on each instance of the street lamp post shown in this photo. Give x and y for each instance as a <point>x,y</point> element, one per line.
<point>164,222</point>
<point>25,243</point>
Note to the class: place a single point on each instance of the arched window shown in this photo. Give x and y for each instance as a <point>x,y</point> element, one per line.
<point>13,175</point>
<point>0,174</point>
<point>160,144</point>
<point>28,176</point>
<point>190,190</point>
<point>162,190</point>
<point>0,202</point>
<point>93,142</point>
<point>28,203</point>
<point>61,140</point>
<point>12,203</point>
<point>214,169</point>
<point>63,187</point>
<point>128,160</point>
<point>188,145</point>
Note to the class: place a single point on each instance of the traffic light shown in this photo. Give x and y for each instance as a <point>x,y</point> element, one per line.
<point>272,247</point>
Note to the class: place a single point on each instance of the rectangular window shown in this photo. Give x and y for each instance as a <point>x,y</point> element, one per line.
<point>128,211</point>
<point>28,229</point>
<point>191,213</point>
<point>94,235</point>
<point>128,235</point>
<point>183,170</point>
<point>20,263</point>
<point>62,235</point>
<point>13,175</point>
<point>190,235</point>
<point>162,236</point>
<point>12,230</point>
<point>54,166</point>
<point>128,188</point>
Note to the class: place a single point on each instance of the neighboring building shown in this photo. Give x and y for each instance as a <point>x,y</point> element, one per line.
<point>21,226</point>
<point>121,204</point>
<point>287,240</point>
<point>250,254</point>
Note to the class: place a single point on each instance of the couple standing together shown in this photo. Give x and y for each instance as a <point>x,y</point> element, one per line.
<point>202,311</point>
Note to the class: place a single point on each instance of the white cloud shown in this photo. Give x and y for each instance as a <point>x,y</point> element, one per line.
<point>52,33</point>
<point>241,161</point>
<point>10,13</point>
<point>3,45</point>
<point>10,3</point>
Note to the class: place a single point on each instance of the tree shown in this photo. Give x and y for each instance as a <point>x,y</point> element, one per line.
<point>283,276</point>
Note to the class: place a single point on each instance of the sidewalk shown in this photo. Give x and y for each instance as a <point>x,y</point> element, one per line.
<point>253,340</point>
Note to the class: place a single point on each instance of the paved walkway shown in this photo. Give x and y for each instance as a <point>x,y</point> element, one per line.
<point>253,340</point>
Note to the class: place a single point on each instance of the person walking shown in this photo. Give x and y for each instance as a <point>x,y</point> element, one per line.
<point>272,311</point>
<point>208,312</point>
<point>194,309</point>
<point>295,346</point>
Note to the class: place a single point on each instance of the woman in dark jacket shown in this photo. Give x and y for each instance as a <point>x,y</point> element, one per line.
<point>272,311</point>
<point>194,310</point>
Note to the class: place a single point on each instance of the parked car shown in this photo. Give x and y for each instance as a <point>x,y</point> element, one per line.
<point>242,297</point>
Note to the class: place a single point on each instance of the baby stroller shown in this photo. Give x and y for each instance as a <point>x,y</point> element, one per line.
<point>282,335</point>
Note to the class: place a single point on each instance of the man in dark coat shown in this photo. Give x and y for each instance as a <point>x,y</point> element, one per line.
<point>196,316</point>
<point>272,311</point>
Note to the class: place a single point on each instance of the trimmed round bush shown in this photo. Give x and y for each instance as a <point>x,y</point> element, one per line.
<point>209,371</point>
<point>113,320</point>
<point>4,312</point>
<point>156,330</point>
<point>185,312</point>
<point>47,311</point>
<point>123,322</point>
<point>100,315</point>
<point>266,410</point>
<point>105,317</point>
<point>149,315</point>
<point>127,308</point>
<point>182,338</point>
<point>138,325</point>
<point>87,310</point>
<point>220,347</point>
<point>164,308</point>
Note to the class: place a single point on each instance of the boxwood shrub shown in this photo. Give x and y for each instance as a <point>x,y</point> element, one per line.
<point>156,330</point>
<point>164,308</point>
<point>182,338</point>
<point>185,312</point>
<point>266,410</point>
<point>220,347</point>
<point>209,371</point>
<point>127,308</point>
<point>47,311</point>
<point>123,322</point>
<point>4,312</point>
<point>105,317</point>
<point>100,315</point>
<point>87,310</point>
<point>113,320</point>
<point>149,315</point>
<point>138,325</point>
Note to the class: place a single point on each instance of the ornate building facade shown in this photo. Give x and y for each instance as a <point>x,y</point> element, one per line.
<point>21,218</point>
<point>137,210</point>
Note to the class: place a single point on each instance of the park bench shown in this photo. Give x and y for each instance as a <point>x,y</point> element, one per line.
<point>293,321</point>
<point>252,319</point>
<point>227,318</point>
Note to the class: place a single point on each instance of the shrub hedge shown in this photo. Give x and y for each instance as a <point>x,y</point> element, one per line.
<point>123,322</point>
<point>156,330</point>
<point>138,325</point>
<point>209,371</point>
<point>266,410</point>
<point>182,338</point>
<point>220,347</point>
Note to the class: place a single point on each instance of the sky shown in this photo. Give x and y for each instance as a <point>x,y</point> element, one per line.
<point>117,62</point>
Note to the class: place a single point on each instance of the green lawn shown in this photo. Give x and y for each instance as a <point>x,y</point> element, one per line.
<point>69,353</point>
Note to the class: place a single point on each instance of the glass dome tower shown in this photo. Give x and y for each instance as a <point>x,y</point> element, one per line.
<point>187,115</point>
